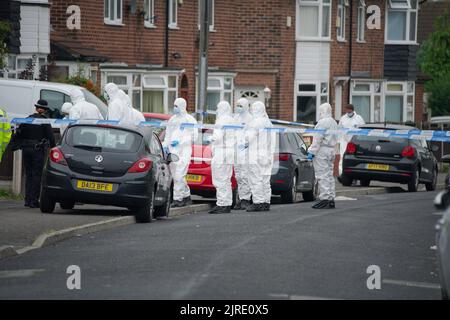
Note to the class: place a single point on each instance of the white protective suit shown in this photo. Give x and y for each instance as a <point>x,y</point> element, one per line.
<point>136,115</point>
<point>117,108</point>
<point>241,168</point>
<point>65,110</point>
<point>185,136</point>
<point>323,148</point>
<point>82,109</point>
<point>223,146</point>
<point>348,123</point>
<point>261,145</point>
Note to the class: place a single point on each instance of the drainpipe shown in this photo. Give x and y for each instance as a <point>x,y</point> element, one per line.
<point>350,49</point>
<point>166,40</point>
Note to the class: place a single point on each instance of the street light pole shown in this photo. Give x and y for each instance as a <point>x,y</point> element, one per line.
<point>205,6</point>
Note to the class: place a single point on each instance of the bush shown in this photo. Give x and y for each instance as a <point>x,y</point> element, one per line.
<point>439,98</point>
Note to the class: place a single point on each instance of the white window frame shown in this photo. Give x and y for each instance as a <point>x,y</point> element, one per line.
<point>221,88</point>
<point>173,21</point>
<point>15,73</point>
<point>6,72</point>
<point>361,24</point>
<point>403,93</point>
<point>372,93</point>
<point>409,11</point>
<point>341,15</point>
<point>211,23</point>
<point>320,4</point>
<point>321,93</point>
<point>149,5</point>
<point>113,19</point>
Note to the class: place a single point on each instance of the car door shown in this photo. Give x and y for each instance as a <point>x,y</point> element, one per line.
<point>163,174</point>
<point>426,159</point>
<point>305,179</point>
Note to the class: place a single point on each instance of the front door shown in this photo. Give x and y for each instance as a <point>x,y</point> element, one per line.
<point>252,94</point>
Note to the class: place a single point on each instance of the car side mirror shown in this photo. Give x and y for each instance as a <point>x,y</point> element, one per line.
<point>172,158</point>
<point>434,148</point>
<point>446,158</point>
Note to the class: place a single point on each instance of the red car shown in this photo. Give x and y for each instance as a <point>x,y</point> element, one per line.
<point>199,176</point>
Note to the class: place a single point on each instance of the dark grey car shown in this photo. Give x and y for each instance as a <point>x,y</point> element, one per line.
<point>443,252</point>
<point>292,173</point>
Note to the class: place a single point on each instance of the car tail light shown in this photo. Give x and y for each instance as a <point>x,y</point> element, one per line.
<point>282,157</point>
<point>408,152</point>
<point>142,165</point>
<point>57,156</point>
<point>351,148</point>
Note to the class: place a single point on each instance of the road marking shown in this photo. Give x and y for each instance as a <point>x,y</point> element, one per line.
<point>424,285</point>
<point>342,198</point>
<point>19,273</point>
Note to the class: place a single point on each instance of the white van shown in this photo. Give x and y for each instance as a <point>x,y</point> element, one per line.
<point>18,97</point>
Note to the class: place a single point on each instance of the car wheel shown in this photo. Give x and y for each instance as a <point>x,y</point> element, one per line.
<point>291,196</point>
<point>432,185</point>
<point>413,185</point>
<point>145,214</point>
<point>365,183</point>
<point>346,181</point>
<point>46,204</point>
<point>444,294</point>
<point>67,205</point>
<point>163,211</point>
<point>311,195</point>
<point>235,198</point>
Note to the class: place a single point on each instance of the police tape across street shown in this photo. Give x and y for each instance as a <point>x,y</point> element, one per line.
<point>428,135</point>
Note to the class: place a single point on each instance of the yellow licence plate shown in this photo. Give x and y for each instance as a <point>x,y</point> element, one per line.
<point>96,186</point>
<point>379,167</point>
<point>193,178</point>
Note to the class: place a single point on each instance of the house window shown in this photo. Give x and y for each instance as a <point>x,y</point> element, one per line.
<point>361,21</point>
<point>210,15</point>
<point>173,13</point>
<point>401,22</point>
<point>399,102</point>
<point>314,19</point>
<point>309,97</point>
<point>11,68</point>
<point>149,13</point>
<point>219,89</point>
<point>159,93</point>
<point>113,12</point>
<point>366,98</point>
<point>340,20</point>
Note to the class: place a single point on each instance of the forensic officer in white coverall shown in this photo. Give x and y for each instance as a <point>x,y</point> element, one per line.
<point>223,144</point>
<point>261,145</point>
<point>136,115</point>
<point>322,152</point>
<point>81,109</point>
<point>117,108</point>
<point>178,141</point>
<point>350,120</point>
<point>241,166</point>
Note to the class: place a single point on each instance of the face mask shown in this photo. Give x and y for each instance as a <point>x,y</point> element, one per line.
<point>176,110</point>
<point>350,114</point>
<point>239,109</point>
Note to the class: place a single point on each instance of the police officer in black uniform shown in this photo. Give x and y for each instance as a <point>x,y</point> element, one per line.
<point>34,140</point>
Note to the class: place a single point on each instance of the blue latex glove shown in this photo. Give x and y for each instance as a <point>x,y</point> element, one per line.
<point>166,150</point>
<point>243,146</point>
<point>174,143</point>
<point>310,156</point>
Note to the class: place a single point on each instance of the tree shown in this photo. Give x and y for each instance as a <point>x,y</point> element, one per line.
<point>5,29</point>
<point>434,60</point>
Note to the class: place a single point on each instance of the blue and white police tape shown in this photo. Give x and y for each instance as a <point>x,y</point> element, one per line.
<point>429,135</point>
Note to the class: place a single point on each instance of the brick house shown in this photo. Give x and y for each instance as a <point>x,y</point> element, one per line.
<point>305,51</point>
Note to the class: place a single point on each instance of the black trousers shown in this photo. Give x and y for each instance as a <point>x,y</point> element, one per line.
<point>34,165</point>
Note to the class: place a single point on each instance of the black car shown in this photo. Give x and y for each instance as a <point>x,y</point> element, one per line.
<point>292,173</point>
<point>109,165</point>
<point>390,159</point>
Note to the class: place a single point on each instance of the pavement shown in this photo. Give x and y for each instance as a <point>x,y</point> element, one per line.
<point>23,229</point>
<point>292,252</point>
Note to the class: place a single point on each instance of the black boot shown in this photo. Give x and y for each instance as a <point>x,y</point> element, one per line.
<point>320,204</point>
<point>220,210</point>
<point>242,205</point>
<point>187,201</point>
<point>266,206</point>
<point>256,207</point>
<point>177,204</point>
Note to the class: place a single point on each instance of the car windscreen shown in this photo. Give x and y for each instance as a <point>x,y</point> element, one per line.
<point>90,97</point>
<point>103,139</point>
<point>368,139</point>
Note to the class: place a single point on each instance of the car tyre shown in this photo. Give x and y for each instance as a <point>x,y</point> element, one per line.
<point>432,185</point>
<point>365,183</point>
<point>310,196</point>
<point>346,181</point>
<point>67,205</point>
<point>444,294</point>
<point>291,196</point>
<point>163,211</point>
<point>145,214</point>
<point>413,184</point>
<point>235,197</point>
<point>46,204</point>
